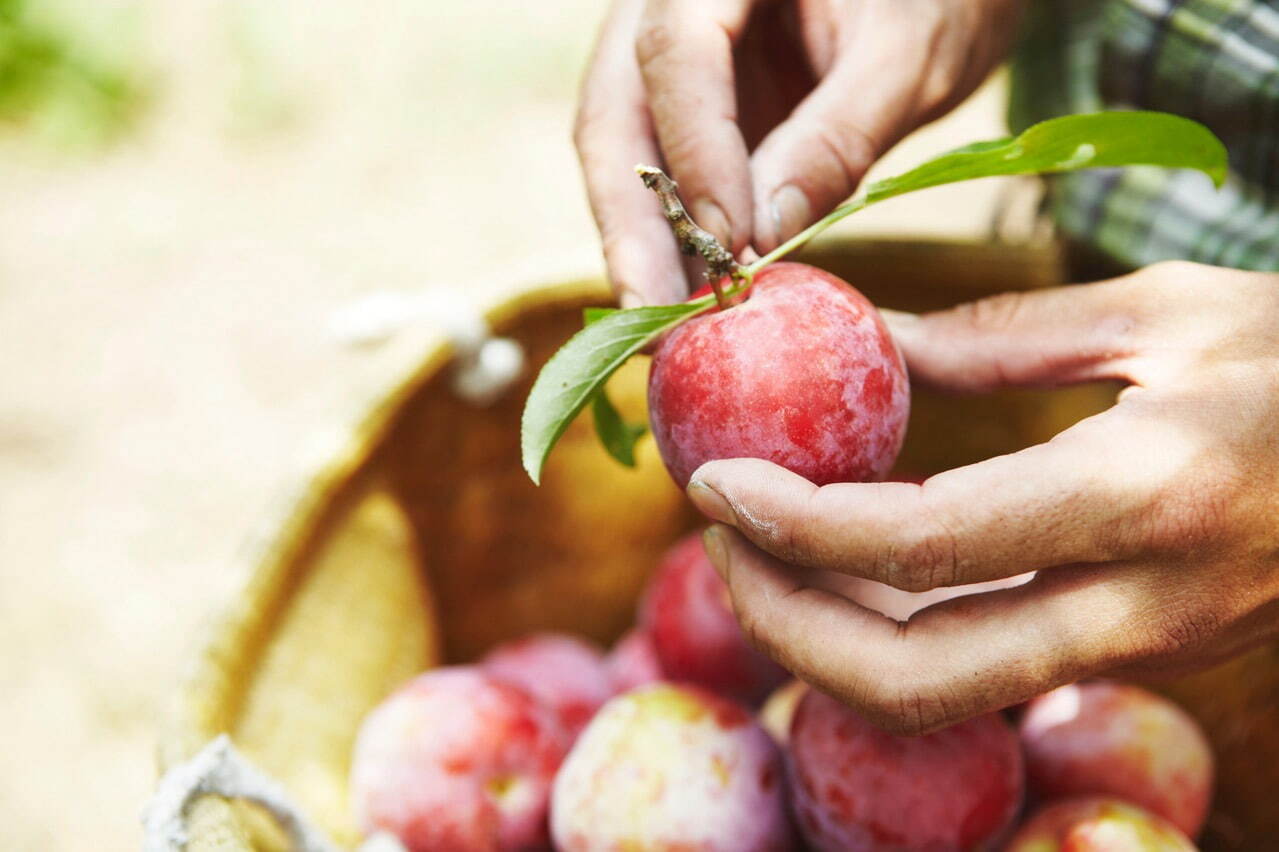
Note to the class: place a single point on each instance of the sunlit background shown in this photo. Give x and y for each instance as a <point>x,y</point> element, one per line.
<point>188,190</point>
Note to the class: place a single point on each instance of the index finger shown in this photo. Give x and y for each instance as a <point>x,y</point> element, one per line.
<point>613,132</point>
<point>965,656</point>
<point>685,53</point>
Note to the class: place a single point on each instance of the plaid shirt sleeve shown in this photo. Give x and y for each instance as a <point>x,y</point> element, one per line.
<point>1216,61</point>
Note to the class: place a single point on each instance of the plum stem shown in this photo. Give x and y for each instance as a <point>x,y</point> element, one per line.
<point>692,238</point>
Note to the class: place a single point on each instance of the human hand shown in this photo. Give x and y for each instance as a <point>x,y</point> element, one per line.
<point>1152,525</point>
<point>767,113</point>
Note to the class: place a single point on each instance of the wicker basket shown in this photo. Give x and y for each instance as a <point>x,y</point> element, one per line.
<point>424,542</point>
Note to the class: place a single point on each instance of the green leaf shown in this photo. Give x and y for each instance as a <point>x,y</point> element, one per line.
<point>575,375</point>
<point>1073,142</point>
<point>592,315</point>
<point>1094,140</point>
<point>617,436</point>
<point>580,368</point>
<point>978,147</point>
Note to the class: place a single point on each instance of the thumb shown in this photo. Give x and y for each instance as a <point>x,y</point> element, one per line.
<point>1041,338</point>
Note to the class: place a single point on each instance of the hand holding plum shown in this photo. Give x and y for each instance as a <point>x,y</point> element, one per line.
<point>1151,525</point>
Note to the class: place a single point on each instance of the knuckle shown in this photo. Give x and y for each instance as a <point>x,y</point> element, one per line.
<point>1185,627</point>
<point>589,118</point>
<point>904,708</point>
<point>934,15</point>
<point>939,87</point>
<point>1199,304</point>
<point>681,145</point>
<point>850,147</point>
<point>796,536</point>
<point>612,235</point>
<point>758,629</point>
<point>1196,525</point>
<point>1173,280</point>
<point>1187,521</point>
<point>1161,287</point>
<point>583,121</point>
<point>927,562</point>
<point>1174,270</point>
<point>927,17</point>
<point>939,63</point>
<point>993,314</point>
<point>752,627</point>
<point>654,41</point>
<point>790,543</point>
<point>938,90</point>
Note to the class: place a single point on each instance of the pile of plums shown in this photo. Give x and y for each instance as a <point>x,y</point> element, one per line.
<point>684,737</point>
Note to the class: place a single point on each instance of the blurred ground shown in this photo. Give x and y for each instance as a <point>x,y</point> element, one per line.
<point>164,364</point>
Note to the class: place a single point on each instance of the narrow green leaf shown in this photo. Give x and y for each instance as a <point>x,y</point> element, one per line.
<point>617,436</point>
<point>576,373</point>
<point>580,368</point>
<point>592,315</point>
<point>1094,140</point>
<point>978,147</point>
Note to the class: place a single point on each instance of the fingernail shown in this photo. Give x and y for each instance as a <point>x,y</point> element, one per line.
<point>791,212</point>
<point>709,215</point>
<point>711,503</point>
<point>716,546</point>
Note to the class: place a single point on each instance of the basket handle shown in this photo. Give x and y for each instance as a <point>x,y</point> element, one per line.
<point>485,365</point>
<point>219,769</point>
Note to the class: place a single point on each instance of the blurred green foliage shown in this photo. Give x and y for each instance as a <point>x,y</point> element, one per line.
<point>50,81</point>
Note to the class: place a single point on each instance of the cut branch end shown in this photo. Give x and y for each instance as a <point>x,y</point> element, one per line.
<point>692,239</point>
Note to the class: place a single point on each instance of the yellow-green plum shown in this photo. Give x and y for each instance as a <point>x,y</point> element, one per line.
<point>1097,824</point>
<point>666,767</point>
<point>779,709</point>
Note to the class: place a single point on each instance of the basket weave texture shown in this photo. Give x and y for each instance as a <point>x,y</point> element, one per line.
<point>423,542</point>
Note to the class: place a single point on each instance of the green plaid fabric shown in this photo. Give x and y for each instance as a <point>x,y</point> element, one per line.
<point>1216,61</point>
